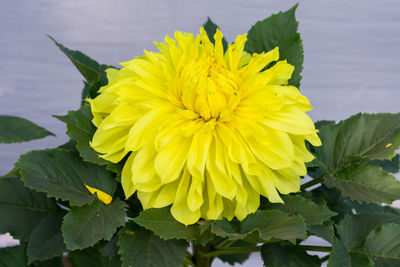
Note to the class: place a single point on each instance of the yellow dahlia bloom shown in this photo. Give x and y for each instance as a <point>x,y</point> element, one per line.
<point>208,131</point>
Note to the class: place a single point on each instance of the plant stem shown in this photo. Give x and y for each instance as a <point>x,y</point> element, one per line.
<point>311,183</point>
<point>233,250</point>
<point>318,248</point>
<point>199,259</point>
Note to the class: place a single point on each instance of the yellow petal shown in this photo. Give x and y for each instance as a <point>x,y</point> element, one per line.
<point>126,177</point>
<point>180,210</point>
<point>171,159</point>
<point>159,198</point>
<point>103,197</point>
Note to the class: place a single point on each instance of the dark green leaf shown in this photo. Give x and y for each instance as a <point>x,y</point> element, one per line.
<point>55,262</point>
<point>13,173</point>
<point>84,226</point>
<point>279,30</point>
<point>275,255</point>
<point>46,240</point>
<point>110,248</point>
<point>92,257</point>
<point>140,247</point>
<point>90,90</point>
<point>324,231</point>
<point>263,226</point>
<point>62,174</point>
<point>161,222</point>
<point>362,136</point>
<point>392,165</point>
<point>298,205</point>
<point>334,200</point>
<point>21,209</point>
<point>205,233</point>
<point>210,27</point>
<point>322,123</point>
<point>366,208</point>
<point>353,229</point>
<point>16,129</point>
<point>342,257</point>
<point>70,145</point>
<point>81,129</point>
<point>89,68</point>
<point>365,182</point>
<point>383,245</point>
<point>13,256</point>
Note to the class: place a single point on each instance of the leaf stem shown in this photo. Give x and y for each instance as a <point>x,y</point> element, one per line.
<point>225,244</point>
<point>311,183</point>
<point>325,258</point>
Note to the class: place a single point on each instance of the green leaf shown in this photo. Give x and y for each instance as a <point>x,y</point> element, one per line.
<point>392,165</point>
<point>362,136</point>
<point>55,262</point>
<point>13,256</point>
<point>210,27</point>
<point>342,257</point>
<point>298,205</point>
<point>70,145</point>
<point>205,233</point>
<point>367,208</point>
<point>62,174</point>
<point>263,226</point>
<point>92,257</point>
<point>84,226</point>
<point>46,241</point>
<point>21,209</point>
<point>90,90</point>
<point>139,247</point>
<point>353,229</point>
<point>110,248</point>
<point>15,129</point>
<point>383,245</point>
<point>324,231</point>
<point>275,255</point>
<point>334,200</point>
<point>88,67</point>
<point>322,123</point>
<point>161,222</point>
<point>279,30</point>
<point>365,182</point>
<point>81,129</point>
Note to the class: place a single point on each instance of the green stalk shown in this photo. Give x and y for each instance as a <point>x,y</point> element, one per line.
<point>325,258</point>
<point>225,244</point>
<point>233,250</point>
<point>311,183</point>
<point>242,250</point>
<point>317,248</point>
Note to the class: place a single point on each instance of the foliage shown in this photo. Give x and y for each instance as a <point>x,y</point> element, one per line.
<point>45,204</point>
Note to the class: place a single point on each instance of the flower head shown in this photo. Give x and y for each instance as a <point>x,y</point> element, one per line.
<point>208,131</point>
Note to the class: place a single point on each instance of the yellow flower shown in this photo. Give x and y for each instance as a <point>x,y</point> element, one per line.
<point>208,131</point>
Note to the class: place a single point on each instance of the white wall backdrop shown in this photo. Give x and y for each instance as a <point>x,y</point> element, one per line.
<point>352,58</point>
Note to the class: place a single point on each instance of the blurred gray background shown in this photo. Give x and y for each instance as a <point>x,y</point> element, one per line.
<point>352,57</point>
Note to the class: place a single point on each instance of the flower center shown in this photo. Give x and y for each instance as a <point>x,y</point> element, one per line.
<point>208,89</point>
